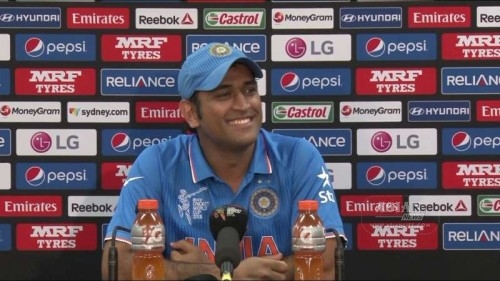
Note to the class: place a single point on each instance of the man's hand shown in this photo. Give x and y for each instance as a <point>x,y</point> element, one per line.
<point>262,268</point>
<point>183,251</point>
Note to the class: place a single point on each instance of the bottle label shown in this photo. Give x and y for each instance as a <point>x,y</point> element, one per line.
<point>148,237</point>
<point>311,238</point>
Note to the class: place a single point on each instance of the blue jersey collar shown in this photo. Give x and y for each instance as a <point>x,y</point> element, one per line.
<point>200,169</point>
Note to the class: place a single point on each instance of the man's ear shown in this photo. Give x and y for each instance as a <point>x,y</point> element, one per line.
<point>188,111</point>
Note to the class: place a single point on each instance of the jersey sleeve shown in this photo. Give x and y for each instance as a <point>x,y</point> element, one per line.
<point>143,181</point>
<point>312,181</point>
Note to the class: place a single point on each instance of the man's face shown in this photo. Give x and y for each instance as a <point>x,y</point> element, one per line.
<point>230,115</point>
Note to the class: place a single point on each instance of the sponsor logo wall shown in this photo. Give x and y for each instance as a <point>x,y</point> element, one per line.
<point>402,100</point>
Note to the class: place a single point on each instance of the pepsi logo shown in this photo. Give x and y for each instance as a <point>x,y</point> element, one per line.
<point>290,82</point>
<point>461,141</point>
<point>381,141</point>
<point>5,110</point>
<point>120,142</point>
<point>41,142</point>
<point>346,110</point>
<point>34,176</point>
<point>34,47</point>
<point>278,17</point>
<point>375,175</point>
<point>296,47</point>
<point>375,47</point>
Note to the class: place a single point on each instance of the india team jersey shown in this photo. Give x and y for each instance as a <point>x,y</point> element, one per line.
<point>283,171</point>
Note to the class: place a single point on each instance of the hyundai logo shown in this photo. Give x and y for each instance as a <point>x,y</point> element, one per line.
<point>348,18</point>
<point>7,17</point>
<point>417,111</point>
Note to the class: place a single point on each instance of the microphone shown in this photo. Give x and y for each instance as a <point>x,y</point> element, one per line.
<point>339,255</point>
<point>228,225</point>
<point>113,254</point>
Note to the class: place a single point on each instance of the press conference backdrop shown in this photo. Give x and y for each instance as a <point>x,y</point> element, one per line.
<point>399,98</point>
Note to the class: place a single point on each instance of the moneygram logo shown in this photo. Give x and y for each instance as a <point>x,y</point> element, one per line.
<point>171,18</point>
<point>30,112</point>
<point>373,17</point>
<point>470,46</point>
<point>139,81</point>
<point>311,81</point>
<point>56,176</point>
<point>471,236</point>
<point>439,111</point>
<point>131,142</point>
<point>329,142</point>
<point>417,141</point>
<point>302,112</point>
<point>394,175</point>
<point>56,237</point>
<point>254,46</point>
<point>55,47</point>
<point>236,18</point>
<point>141,48</point>
<point>373,111</point>
<point>439,17</point>
<point>98,18</point>
<point>470,80</point>
<point>55,81</point>
<point>396,81</point>
<point>31,206</point>
<point>471,175</point>
<point>400,46</point>
<point>318,18</point>
<point>98,112</point>
<point>30,17</point>
<point>158,112</point>
<point>56,142</point>
<point>397,236</point>
<point>311,47</point>
<point>470,141</point>
<point>114,174</point>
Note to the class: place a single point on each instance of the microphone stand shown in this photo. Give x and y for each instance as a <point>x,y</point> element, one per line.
<point>113,255</point>
<point>339,256</point>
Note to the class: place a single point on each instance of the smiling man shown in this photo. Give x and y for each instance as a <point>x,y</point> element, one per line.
<point>229,159</point>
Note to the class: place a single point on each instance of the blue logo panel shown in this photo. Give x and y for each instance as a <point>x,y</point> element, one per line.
<point>55,47</point>
<point>143,82</point>
<point>329,142</point>
<point>311,81</point>
<point>439,111</point>
<point>74,176</point>
<point>373,17</point>
<point>395,175</point>
<point>254,46</point>
<point>5,237</point>
<point>131,142</point>
<point>471,141</point>
<point>471,236</point>
<point>470,80</point>
<point>5,142</point>
<point>30,17</point>
<point>398,46</point>
<point>4,81</point>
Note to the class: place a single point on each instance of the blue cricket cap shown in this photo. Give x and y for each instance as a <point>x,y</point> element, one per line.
<point>204,69</point>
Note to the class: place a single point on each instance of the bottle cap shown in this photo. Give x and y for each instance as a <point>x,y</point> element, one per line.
<point>148,204</point>
<point>308,205</point>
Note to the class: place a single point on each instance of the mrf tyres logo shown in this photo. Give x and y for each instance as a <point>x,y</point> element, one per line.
<point>397,236</point>
<point>470,141</point>
<point>234,18</point>
<point>56,237</point>
<point>470,46</point>
<point>114,174</point>
<point>396,81</point>
<point>471,175</point>
<point>141,48</point>
<point>399,46</point>
<point>55,81</point>
<point>302,112</point>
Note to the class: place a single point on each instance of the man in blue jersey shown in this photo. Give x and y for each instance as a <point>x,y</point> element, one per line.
<point>229,159</point>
